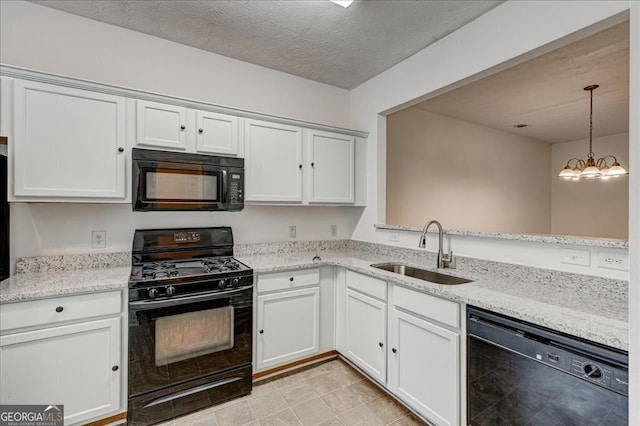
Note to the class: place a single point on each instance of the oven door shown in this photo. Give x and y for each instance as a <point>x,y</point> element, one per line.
<point>178,340</point>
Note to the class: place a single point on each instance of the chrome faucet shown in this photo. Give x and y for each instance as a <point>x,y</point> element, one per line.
<point>444,260</point>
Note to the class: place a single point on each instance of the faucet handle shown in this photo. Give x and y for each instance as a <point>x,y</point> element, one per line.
<point>448,261</point>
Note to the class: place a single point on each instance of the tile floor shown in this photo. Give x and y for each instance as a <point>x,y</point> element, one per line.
<point>331,393</point>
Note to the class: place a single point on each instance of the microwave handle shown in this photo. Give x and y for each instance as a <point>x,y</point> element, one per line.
<point>225,187</point>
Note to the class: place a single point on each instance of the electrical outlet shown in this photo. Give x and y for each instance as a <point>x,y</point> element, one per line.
<point>576,257</point>
<point>394,237</point>
<point>292,231</point>
<point>334,230</point>
<point>98,239</point>
<point>610,260</point>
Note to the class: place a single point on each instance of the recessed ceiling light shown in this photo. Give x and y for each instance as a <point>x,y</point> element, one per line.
<point>343,3</point>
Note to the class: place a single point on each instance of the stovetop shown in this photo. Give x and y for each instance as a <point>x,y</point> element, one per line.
<point>170,263</point>
<point>213,267</point>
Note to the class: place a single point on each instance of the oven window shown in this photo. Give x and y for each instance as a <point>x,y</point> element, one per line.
<point>167,184</point>
<point>193,334</point>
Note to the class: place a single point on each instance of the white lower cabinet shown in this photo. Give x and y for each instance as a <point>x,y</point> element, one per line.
<point>77,365</point>
<point>288,317</point>
<point>365,322</point>
<point>365,333</point>
<point>424,359</point>
<point>407,340</point>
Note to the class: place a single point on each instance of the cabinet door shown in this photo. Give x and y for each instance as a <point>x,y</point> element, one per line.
<point>273,162</point>
<point>332,165</point>
<point>288,326</point>
<point>68,142</point>
<point>424,367</point>
<point>365,334</point>
<point>216,133</point>
<point>71,365</point>
<point>161,125</point>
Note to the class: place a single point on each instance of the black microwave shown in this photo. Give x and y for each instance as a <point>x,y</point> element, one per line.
<point>171,181</point>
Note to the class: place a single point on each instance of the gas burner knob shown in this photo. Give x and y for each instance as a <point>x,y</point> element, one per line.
<point>153,293</point>
<point>222,283</point>
<point>170,291</point>
<point>235,283</point>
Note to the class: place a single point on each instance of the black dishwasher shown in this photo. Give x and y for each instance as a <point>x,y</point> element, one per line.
<point>523,374</point>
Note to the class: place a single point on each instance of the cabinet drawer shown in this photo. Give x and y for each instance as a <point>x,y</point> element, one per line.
<point>288,279</point>
<point>45,311</point>
<point>367,285</point>
<point>427,306</point>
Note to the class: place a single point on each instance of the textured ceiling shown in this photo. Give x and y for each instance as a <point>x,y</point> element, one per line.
<point>547,92</point>
<point>314,39</point>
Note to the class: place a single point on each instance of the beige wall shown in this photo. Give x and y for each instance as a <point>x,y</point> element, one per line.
<point>590,208</point>
<point>465,175</point>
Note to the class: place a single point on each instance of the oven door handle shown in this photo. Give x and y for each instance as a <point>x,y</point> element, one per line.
<point>142,305</point>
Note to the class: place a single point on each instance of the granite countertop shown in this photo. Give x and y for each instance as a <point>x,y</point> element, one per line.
<point>44,284</point>
<point>589,307</point>
<point>602,317</point>
<point>532,238</point>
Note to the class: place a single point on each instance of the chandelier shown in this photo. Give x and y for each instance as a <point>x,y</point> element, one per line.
<point>592,168</point>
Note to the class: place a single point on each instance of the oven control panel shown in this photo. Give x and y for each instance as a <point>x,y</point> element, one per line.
<point>152,291</point>
<point>186,237</point>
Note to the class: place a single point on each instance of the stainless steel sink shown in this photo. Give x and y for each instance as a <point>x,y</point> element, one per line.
<point>421,274</point>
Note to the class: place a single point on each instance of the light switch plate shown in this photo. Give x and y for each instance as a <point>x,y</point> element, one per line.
<point>576,257</point>
<point>292,231</point>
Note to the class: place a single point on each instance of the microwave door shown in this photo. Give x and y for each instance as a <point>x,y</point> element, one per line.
<point>180,187</point>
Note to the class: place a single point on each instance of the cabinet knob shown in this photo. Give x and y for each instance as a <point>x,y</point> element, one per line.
<point>394,350</point>
<point>313,164</point>
<point>300,166</point>
<point>183,127</point>
<point>381,345</point>
<point>59,309</point>
<point>120,149</point>
<point>114,368</point>
<point>261,332</point>
<point>291,279</point>
<point>200,130</point>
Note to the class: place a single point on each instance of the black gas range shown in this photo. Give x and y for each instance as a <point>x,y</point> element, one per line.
<point>190,323</point>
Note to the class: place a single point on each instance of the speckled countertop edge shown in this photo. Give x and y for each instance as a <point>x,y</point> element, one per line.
<point>45,284</point>
<point>598,311</point>
<point>541,238</point>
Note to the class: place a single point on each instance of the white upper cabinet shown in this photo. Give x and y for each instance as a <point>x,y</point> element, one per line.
<point>66,143</point>
<point>216,133</point>
<point>292,165</point>
<point>173,127</point>
<point>273,162</point>
<point>331,167</point>
<point>161,125</point>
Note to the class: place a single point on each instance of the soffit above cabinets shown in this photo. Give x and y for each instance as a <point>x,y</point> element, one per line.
<point>547,92</point>
<point>317,40</point>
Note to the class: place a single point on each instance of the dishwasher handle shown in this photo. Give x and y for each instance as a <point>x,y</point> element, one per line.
<point>509,338</point>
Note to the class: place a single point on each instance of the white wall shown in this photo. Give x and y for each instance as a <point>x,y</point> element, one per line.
<point>511,33</point>
<point>590,208</point>
<point>57,228</point>
<point>469,176</point>
<point>36,37</point>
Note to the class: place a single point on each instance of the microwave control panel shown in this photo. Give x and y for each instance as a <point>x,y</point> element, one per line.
<point>236,186</point>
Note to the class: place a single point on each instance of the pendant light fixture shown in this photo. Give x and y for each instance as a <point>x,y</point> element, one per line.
<point>592,168</point>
